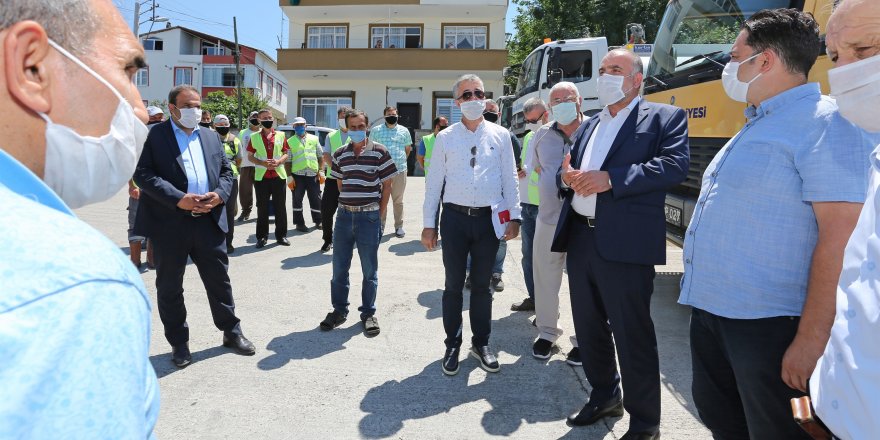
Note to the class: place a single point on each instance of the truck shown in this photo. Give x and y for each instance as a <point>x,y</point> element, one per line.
<point>690,51</point>
<point>575,60</point>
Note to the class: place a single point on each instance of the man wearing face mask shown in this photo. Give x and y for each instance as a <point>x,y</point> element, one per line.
<point>247,170</point>
<point>473,173</point>
<point>186,181</point>
<point>205,122</point>
<point>330,196</point>
<point>612,226</point>
<point>547,149</point>
<point>764,248</point>
<point>232,148</point>
<point>397,139</point>
<point>426,145</point>
<point>306,161</point>
<point>269,150</point>
<point>845,385</point>
<point>74,311</point>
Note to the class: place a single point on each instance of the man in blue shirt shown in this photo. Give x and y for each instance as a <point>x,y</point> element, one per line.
<point>764,248</point>
<point>74,313</point>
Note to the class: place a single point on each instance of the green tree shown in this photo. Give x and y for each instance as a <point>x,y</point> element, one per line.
<point>220,103</point>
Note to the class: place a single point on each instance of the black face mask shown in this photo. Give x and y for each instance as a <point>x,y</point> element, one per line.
<point>391,120</point>
<point>254,122</point>
<point>441,127</point>
<point>205,124</point>
<point>223,131</point>
<point>267,124</point>
<point>491,117</point>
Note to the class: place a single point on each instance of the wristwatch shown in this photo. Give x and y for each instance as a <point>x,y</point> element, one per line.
<point>516,220</point>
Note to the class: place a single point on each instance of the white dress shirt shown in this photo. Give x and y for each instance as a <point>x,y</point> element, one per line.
<point>845,386</point>
<point>597,150</point>
<point>492,179</point>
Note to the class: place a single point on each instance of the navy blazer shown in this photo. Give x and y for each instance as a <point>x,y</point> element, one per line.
<point>649,155</point>
<point>163,182</point>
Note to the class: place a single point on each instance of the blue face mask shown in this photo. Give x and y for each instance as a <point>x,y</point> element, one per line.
<point>300,130</point>
<point>357,136</point>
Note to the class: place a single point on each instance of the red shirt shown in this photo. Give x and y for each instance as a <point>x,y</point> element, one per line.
<point>269,142</point>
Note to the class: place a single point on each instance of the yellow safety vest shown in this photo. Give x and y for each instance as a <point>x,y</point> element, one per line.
<point>335,142</point>
<point>232,148</point>
<point>533,195</point>
<point>257,142</point>
<point>303,156</point>
<point>429,149</point>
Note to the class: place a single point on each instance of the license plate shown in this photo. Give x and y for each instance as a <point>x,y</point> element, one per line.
<point>673,215</point>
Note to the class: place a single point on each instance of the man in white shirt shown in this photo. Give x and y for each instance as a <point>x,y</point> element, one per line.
<point>473,170</point>
<point>845,385</point>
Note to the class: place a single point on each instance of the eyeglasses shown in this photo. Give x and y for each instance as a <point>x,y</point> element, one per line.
<point>474,159</point>
<point>570,98</point>
<point>467,95</point>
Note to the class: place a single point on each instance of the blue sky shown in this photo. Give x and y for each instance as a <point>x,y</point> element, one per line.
<point>214,17</point>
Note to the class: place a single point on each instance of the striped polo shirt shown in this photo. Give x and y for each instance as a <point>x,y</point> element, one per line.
<point>361,176</point>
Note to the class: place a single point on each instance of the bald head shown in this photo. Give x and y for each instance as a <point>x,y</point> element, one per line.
<point>853,31</point>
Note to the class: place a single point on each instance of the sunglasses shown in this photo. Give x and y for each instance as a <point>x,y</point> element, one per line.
<point>467,95</point>
<point>474,159</point>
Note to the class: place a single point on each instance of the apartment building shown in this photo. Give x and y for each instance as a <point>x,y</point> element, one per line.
<point>405,53</point>
<point>178,55</point>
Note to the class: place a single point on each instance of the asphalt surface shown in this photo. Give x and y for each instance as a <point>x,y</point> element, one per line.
<point>304,383</point>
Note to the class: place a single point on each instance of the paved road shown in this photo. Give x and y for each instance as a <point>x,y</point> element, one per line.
<point>304,383</point>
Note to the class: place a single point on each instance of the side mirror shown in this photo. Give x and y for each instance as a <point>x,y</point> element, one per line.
<point>554,77</point>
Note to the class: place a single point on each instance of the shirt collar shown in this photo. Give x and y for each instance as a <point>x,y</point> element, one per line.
<point>180,130</point>
<point>367,147</point>
<point>808,90</point>
<point>605,115</point>
<point>20,180</point>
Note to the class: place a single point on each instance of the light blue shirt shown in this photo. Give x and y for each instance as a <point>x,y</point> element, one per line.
<point>395,139</point>
<point>748,249</point>
<point>74,323</point>
<point>193,160</point>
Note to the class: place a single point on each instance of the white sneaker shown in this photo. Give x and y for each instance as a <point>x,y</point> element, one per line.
<point>400,233</point>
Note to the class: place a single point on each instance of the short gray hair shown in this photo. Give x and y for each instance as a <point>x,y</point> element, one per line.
<point>565,85</point>
<point>463,78</point>
<point>491,101</point>
<point>534,103</point>
<point>70,23</point>
<point>638,65</point>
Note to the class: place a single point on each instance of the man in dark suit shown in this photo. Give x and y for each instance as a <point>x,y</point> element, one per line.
<point>186,179</point>
<point>612,225</point>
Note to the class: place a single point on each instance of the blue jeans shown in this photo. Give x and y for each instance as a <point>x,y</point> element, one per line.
<point>498,267</point>
<point>529,215</point>
<point>360,229</point>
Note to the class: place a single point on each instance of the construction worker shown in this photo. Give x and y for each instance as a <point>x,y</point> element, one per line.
<point>305,168</point>
<point>426,146</point>
<point>232,147</point>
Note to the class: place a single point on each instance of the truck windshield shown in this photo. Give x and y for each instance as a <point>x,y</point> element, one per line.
<point>576,65</point>
<point>530,73</point>
<point>695,37</point>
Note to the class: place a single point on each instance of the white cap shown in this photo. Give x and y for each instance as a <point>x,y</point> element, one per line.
<point>153,111</point>
<point>220,118</point>
<point>299,120</point>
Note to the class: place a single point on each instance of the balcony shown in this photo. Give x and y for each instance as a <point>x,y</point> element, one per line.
<point>358,61</point>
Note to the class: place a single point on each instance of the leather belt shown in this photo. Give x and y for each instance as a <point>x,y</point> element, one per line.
<point>480,211</point>
<point>589,221</point>
<point>365,208</point>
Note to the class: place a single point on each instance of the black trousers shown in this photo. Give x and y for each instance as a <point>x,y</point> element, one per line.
<point>737,367</point>
<point>463,235</point>
<point>276,189</point>
<point>231,211</point>
<point>611,306</point>
<point>201,240</point>
<point>329,204</point>
<point>306,185</point>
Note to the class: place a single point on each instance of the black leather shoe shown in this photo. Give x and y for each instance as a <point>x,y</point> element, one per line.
<point>327,246</point>
<point>230,249</point>
<point>302,228</point>
<point>261,242</point>
<point>318,226</point>
<point>238,343</point>
<point>592,413</point>
<point>641,435</point>
<point>526,305</point>
<point>450,361</point>
<point>180,355</point>
<point>487,359</point>
<point>283,241</point>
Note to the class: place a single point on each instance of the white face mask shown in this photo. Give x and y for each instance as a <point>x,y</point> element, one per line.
<point>533,127</point>
<point>565,112</point>
<point>736,89</point>
<point>190,117</point>
<point>856,87</point>
<point>86,169</point>
<point>473,110</point>
<point>610,88</point>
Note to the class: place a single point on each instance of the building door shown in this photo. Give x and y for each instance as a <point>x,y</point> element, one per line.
<point>409,115</point>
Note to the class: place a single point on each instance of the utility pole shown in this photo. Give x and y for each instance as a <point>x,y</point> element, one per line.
<point>239,77</point>
<point>137,16</point>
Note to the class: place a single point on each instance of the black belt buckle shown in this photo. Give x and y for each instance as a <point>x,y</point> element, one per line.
<point>590,222</point>
<point>195,214</point>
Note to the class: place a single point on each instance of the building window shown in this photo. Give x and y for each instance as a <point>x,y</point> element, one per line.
<point>396,37</point>
<point>327,37</point>
<point>465,37</point>
<point>183,75</point>
<point>322,111</point>
<point>214,50</point>
<point>446,107</point>
<point>153,44</point>
<point>218,76</point>
<point>278,89</point>
<point>142,77</point>
<point>270,86</point>
<point>259,80</point>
